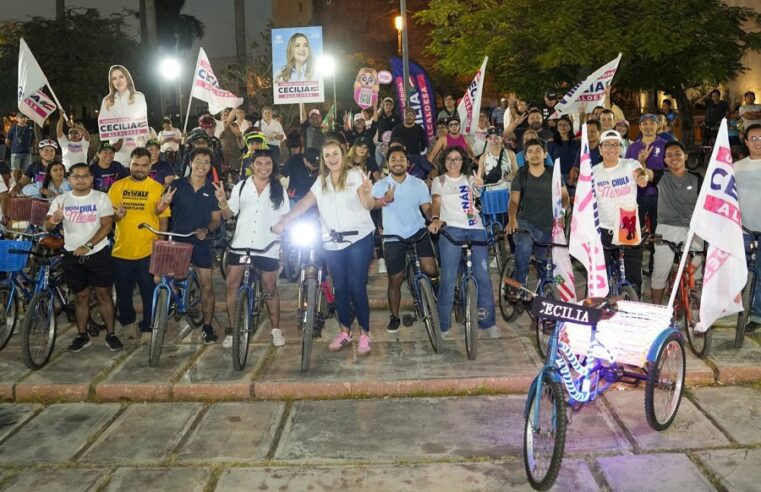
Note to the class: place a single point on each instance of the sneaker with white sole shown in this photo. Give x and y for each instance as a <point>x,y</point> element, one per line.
<point>494,332</point>
<point>447,335</point>
<point>227,342</point>
<point>364,344</point>
<point>382,266</point>
<point>340,341</point>
<point>278,340</point>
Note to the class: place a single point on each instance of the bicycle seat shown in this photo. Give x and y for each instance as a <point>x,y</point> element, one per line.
<point>52,243</point>
<point>607,307</point>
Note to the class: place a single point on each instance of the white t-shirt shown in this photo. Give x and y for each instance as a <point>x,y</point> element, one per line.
<point>458,202</point>
<point>749,108</point>
<point>615,188</point>
<point>748,181</point>
<point>342,211</point>
<point>270,130</point>
<point>257,216</point>
<point>169,145</point>
<point>478,142</point>
<point>73,152</point>
<point>81,218</point>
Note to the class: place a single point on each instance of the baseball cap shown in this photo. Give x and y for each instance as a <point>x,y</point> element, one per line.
<point>610,135</point>
<point>551,95</point>
<point>451,119</point>
<point>152,141</point>
<point>361,141</point>
<point>358,117</point>
<point>314,111</point>
<point>623,122</point>
<point>206,121</point>
<point>106,146</point>
<point>648,116</point>
<point>493,131</point>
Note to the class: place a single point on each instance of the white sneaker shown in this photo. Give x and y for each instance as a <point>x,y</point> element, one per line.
<point>381,266</point>
<point>277,337</point>
<point>493,263</point>
<point>227,342</point>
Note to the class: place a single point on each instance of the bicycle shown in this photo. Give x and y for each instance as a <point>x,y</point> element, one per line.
<point>493,206</point>
<point>421,290</point>
<point>248,305</point>
<point>687,303</point>
<point>593,346</point>
<point>466,292</point>
<point>620,287</point>
<point>749,291</point>
<point>178,292</point>
<point>512,304</point>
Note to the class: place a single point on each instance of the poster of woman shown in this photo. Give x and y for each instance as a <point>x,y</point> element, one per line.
<point>123,112</point>
<point>295,75</point>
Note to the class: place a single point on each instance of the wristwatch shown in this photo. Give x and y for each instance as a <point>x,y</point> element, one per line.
<point>89,245</point>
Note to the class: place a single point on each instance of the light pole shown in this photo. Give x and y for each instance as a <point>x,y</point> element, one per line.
<point>399,24</point>
<point>326,64</point>
<point>405,53</point>
<point>170,69</point>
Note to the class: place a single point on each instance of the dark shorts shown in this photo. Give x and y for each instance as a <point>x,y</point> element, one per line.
<point>95,270</point>
<point>202,256</point>
<point>261,263</point>
<point>394,252</point>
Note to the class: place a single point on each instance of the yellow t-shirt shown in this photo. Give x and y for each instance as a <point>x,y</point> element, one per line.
<point>139,199</point>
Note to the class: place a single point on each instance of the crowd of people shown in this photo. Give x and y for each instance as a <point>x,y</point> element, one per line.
<point>375,174</point>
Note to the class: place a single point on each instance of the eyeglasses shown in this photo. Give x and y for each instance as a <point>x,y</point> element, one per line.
<point>454,160</point>
<point>755,138</point>
<point>80,176</point>
<point>453,124</point>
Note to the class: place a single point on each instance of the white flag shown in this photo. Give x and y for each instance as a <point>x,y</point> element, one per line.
<point>470,104</point>
<point>585,244</point>
<point>590,91</point>
<point>563,268</point>
<point>717,220</point>
<point>30,76</point>
<point>206,87</point>
<point>37,106</point>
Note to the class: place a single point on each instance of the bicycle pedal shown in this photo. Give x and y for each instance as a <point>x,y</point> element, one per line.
<point>408,319</point>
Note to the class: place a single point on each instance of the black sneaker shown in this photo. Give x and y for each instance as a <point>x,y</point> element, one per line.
<point>80,342</point>
<point>752,326</point>
<point>393,324</point>
<point>208,335</point>
<point>113,343</point>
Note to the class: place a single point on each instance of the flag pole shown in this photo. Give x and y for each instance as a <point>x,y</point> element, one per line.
<point>682,262</point>
<point>187,116</point>
<point>55,98</point>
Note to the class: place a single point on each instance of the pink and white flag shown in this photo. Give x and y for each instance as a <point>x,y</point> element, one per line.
<point>717,220</point>
<point>470,104</point>
<point>585,244</point>
<point>590,91</point>
<point>37,107</point>
<point>206,87</point>
<point>563,267</point>
<point>31,100</point>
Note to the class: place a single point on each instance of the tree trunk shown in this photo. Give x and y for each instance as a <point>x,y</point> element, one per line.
<point>60,10</point>
<point>685,117</point>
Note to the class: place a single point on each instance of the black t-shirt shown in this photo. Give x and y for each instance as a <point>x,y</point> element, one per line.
<point>371,166</point>
<point>536,199</point>
<point>301,178</point>
<point>192,209</point>
<point>104,178</point>
<point>715,112</point>
<point>160,170</point>
<point>36,172</point>
<point>414,137</point>
<point>386,124</point>
<point>351,136</point>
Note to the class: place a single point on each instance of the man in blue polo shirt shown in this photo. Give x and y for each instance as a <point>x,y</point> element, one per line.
<point>402,196</point>
<point>195,208</point>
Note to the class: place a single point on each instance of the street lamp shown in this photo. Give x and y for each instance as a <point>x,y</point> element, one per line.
<point>170,69</point>
<point>326,65</point>
<point>399,24</point>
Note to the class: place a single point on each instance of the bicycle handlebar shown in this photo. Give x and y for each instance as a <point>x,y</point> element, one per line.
<point>467,242</point>
<point>752,233</point>
<point>411,240</point>
<point>538,242</point>
<point>24,234</point>
<point>251,251</point>
<point>33,253</point>
<point>160,233</point>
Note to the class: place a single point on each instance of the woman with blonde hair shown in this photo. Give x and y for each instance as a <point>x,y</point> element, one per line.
<point>343,196</point>
<point>360,158</point>
<point>298,61</point>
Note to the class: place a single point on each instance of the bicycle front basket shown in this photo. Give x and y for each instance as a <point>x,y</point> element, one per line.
<point>171,259</point>
<point>39,212</point>
<point>12,261</point>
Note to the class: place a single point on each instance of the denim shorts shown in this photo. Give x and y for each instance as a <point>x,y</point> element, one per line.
<point>20,161</point>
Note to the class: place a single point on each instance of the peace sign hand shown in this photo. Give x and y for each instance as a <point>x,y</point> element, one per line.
<point>644,154</point>
<point>367,185</point>
<point>219,192</point>
<point>166,198</point>
<point>478,181</point>
<point>389,195</point>
<point>57,215</point>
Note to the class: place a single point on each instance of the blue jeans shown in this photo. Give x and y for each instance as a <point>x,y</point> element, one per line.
<point>348,269</point>
<point>756,311</point>
<point>523,248</point>
<point>450,261</point>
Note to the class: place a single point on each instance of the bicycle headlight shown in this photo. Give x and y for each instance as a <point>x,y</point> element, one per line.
<point>304,234</point>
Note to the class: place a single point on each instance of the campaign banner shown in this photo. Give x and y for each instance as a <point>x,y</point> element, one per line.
<point>31,100</point>
<point>422,97</point>
<point>590,91</point>
<point>123,112</point>
<point>563,272</point>
<point>296,77</point>
<point>206,87</point>
<point>470,104</point>
<point>366,88</point>
<point>37,107</point>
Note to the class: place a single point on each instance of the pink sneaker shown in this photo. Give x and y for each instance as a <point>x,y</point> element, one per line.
<point>339,342</point>
<point>364,344</point>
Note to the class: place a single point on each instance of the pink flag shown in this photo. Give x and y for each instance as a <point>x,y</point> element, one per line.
<point>563,267</point>
<point>717,220</point>
<point>585,244</point>
<point>470,104</point>
<point>206,87</point>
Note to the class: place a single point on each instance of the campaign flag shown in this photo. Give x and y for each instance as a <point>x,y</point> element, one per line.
<point>330,117</point>
<point>31,100</point>
<point>37,107</point>
<point>717,220</point>
<point>590,91</point>
<point>422,97</point>
<point>296,74</point>
<point>563,268</point>
<point>470,104</point>
<point>206,87</point>
<point>585,244</point>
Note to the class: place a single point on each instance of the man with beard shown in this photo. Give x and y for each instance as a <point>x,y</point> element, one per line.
<point>534,119</point>
<point>137,199</point>
<point>402,197</point>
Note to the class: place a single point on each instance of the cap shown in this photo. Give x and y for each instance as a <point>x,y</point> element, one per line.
<point>358,117</point>
<point>314,111</point>
<point>255,136</point>
<point>206,121</point>
<point>388,99</point>
<point>622,122</point>
<point>648,116</point>
<point>610,135</point>
<point>551,95</point>
<point>312,155</point>
<point>493,131</point>
<point>152,141</point>
<point>451,119</point>
<point>361,141</point>
<point>106,146</point>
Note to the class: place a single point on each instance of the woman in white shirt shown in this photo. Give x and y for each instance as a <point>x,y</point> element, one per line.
<point>496,163</point>
<point>453,203</point>
<point>344,200</point>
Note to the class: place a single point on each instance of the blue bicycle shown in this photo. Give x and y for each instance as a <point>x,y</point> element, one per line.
<point>494,204</point>
<point>620,287</point>
<point>177,294</point>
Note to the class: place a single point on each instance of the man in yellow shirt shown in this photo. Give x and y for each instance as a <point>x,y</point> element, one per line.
<point>136,200</point>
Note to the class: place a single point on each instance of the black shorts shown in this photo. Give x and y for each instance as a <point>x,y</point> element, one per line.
<point>394,252</point>
<point>82,272</point>
<point>202,256</point>
<point>261,263</point>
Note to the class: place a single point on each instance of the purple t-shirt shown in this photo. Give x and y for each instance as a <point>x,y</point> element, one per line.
<point>654,162</point>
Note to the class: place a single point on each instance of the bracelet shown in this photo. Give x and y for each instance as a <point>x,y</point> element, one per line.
<point>219,204</point>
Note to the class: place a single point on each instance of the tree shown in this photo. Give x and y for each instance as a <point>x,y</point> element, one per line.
<point>176,31</point>
<point>534,45</point>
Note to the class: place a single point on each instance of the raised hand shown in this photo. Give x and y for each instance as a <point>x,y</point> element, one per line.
<point>389,195</point>
<point>478,181</point>
<point>166,198</point>
<point>57,216</point>
<point>367,185</point>
<point>219,192</point>
<point>644,154</point>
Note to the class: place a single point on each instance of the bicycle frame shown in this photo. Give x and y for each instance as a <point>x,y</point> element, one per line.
<point>751,257</point>
<point>178,292</point>
<point>617,275</point>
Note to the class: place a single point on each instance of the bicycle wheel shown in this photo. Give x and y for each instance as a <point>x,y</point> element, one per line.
<point>8,314</point>
<point>430,313</point>
<point>307,332</point>
<point>292,262</point>
<point>665,383</point>
<point>241,329</point>
<point>628,293</point>
<point>506,306</point>
<point>700,343</point>
<point>542,327</point>
<point>158,327</point>
<point>38,331</point>
<point>744,317</point>
<point>224,263</point>
<point>471,318</point>
<point>458,302</point>
<point>500,248</point>
<point>195,302</point>
<point>544,444</point>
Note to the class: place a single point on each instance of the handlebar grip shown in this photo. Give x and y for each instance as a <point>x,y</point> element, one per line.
<point>142,226</point>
